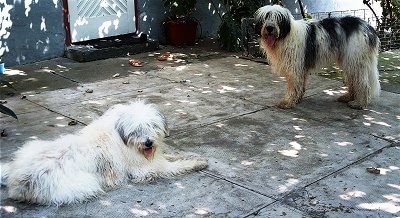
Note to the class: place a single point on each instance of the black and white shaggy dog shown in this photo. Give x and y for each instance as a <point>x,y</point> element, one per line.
<point>295,48</point>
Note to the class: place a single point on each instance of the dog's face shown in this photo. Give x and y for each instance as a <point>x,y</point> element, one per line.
<point>272,22</point>
<point>142,128</point>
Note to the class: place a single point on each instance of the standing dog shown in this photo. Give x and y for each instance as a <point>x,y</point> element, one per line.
<point>295,48</point>
<point>123,144</point>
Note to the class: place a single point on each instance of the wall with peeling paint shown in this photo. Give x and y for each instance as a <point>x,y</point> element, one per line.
<point>30,31</point>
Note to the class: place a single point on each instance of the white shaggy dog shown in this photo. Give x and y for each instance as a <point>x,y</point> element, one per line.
<point>295,48</point>
<point>124,144</point>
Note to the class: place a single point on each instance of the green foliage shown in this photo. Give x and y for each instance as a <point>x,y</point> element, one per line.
<point>7,111</point>
<point>390,9</point>
<point>179,9</point>
<point>230,34</point>
<point>388,23</point>
<point>4,109</point>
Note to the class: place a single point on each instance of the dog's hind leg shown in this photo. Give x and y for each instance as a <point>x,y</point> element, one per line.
<point>4,170</point>
<point>349,96</point>
<point>363,85</point>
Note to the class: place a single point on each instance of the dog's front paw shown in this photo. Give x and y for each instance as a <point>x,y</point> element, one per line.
<point>355,105</point>
<point>345,98</point>
<point>200,164</point>
<point>285,104</point>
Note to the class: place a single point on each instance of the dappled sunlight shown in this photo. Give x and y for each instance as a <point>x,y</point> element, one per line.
<point>110,19</point>
<point>9,209</point>
<point>181,68</point>
<point>343,144</point>
<point>13,72</point>
<point>247,163</point>
<point>293,152</point>
<point>142,212</point>
<point>202,211</point>
<point>179,185</point>
<point>103,30</point>
<point>390,207</point>
<point>241,65</point>
<point>226,89</point>
<point>333,92</point>
<point>390,169</point>
<point>186,101</point>
<point>394,186</point>
<point>219,125</point>
<point>6,24</point>
<point>376,112</point>
<point>289,153</point>
<point>181,112</point>
<point>43,25</point>
<point>95,102</point>
<point>287,186</point>
<point>390,202</point>
<point>299,119</point>
<point>182,90</point>
<point>352,194</point>
<point>297,128</point>
<point>370,120</point>
<point>105,202</point>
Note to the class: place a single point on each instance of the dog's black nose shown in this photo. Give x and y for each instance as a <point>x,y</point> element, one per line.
<point>148,143</point>
<point>270,28</point>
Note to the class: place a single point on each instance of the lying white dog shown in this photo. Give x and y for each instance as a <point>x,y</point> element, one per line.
<point>124,144</point>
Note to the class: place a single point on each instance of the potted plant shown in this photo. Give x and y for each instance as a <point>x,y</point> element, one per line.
<point>180,27</point>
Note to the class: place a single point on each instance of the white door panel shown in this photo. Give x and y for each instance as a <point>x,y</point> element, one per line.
<point>93,19</point>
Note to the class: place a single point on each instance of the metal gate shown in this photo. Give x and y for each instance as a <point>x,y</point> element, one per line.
<point>93,19</point>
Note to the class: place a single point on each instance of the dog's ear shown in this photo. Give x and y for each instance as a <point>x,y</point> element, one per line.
<point>258,26</point>
<point>165,125</point>
<point>259,21</point>
<point>121,133</point>
<point>284,20</point>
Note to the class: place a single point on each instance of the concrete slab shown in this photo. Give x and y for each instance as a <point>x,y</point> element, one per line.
<point>308,161</point>
<point>183,107</point>
<point>107,89</point>
<point>354,192</point>
<point>180,197</point>
<point>277,209</point>
<point>36,79</point>
<point>235,77</point>
<point>380,119</point>
<point>19,106</point>
<point>274,152</point>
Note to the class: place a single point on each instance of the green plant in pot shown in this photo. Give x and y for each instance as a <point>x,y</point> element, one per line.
<point>180,27</point>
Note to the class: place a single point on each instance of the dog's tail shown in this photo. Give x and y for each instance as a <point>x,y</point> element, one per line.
<point>4,169</point>
<point>373,77</point>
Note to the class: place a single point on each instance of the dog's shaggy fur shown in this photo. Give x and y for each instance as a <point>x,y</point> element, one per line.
<point>295,48</point>
<point>124,144</point>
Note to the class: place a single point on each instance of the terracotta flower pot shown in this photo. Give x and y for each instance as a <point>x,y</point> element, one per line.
<point>181,33</point>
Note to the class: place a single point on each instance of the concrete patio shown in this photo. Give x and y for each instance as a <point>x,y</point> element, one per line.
<point>310,161</point>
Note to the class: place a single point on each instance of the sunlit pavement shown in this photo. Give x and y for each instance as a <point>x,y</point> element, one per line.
<point>310,161</point>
